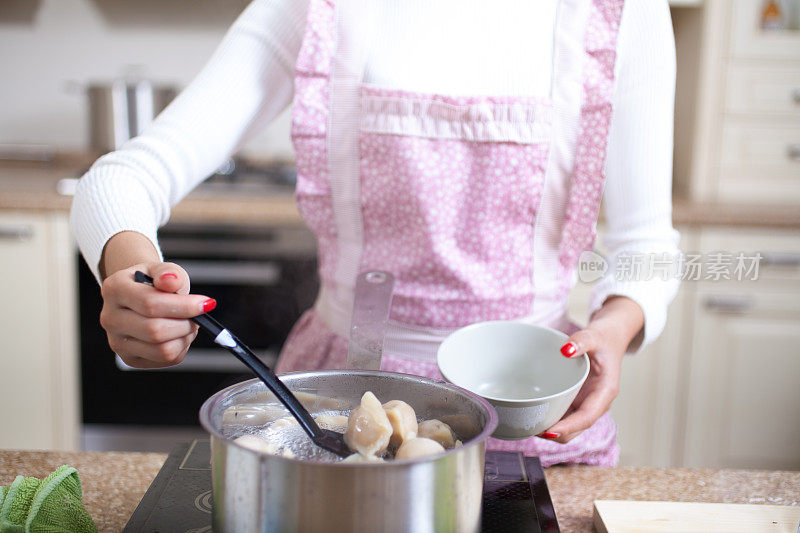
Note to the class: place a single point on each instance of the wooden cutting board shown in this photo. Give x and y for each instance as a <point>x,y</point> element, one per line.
<point>618,516</point>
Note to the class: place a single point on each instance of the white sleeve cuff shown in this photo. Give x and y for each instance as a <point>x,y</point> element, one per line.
<point>93,226</point>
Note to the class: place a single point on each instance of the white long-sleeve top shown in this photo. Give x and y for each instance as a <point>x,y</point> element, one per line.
<point>457,47</point>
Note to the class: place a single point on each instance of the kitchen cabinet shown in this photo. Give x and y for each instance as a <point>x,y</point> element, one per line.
<point>744,387</point>
<point>738,101</point>
<point>719,388</point>
<point>748,41</point>
<point>39,362</point>
<point>744,379</point>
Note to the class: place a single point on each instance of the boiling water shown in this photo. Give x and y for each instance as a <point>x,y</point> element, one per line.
<point>289,439</point>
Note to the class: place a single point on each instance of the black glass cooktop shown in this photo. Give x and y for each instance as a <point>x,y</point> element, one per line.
<point>515,495</point>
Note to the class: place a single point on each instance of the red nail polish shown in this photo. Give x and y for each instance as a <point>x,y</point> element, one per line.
<point>168,275</point>
<point>209,304</point>
<point>549,435</point>
<point>569,349</point>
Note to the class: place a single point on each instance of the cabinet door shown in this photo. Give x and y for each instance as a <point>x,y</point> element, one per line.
<point>38,366</point>
<point>760,162</point>
<point>764,90</point>
<point>744,395</point>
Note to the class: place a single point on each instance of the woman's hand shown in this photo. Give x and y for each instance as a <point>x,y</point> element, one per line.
<point>605,340</point>
<point>147,327</point>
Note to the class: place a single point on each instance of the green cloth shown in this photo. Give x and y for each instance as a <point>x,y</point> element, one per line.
<point>51,505</point>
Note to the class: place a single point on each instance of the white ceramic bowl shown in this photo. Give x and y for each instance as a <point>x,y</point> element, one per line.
<point>519,369</point>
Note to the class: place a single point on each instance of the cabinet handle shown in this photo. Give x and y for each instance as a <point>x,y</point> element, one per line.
<point>793,151</point>
<point>796,96</point>
<point>729,304</point>
<point>22,232</point>
<point>780,259</point>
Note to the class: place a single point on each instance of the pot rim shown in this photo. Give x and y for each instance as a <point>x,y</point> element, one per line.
<point>486,432</point>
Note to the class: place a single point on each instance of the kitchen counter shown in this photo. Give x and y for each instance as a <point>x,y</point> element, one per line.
<point>113,483</point>
<point>33,186</point>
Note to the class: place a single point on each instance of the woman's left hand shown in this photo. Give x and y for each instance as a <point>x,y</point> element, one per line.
<point>605,340</point>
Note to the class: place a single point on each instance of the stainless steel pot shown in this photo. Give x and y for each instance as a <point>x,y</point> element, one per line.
<point>121,109</point>
<point>259,492</point>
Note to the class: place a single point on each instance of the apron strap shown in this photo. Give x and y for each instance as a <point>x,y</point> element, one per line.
<point>355,29</point>
<point>588,175</point>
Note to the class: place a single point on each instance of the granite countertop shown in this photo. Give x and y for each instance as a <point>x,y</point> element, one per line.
<point>114,482</point>
<point>574,488</point>
<point>33,186</point>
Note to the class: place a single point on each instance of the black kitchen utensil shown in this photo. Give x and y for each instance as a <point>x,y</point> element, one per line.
<point>324,438</point>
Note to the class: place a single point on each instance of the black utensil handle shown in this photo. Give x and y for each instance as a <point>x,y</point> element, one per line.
<point>211,326</point>
<point>273,383</point>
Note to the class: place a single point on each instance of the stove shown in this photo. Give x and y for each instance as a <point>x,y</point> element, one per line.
<point>238,176</point>
<point>515,494</point>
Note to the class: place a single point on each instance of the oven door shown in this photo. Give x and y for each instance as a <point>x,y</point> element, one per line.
<point>263,280</point>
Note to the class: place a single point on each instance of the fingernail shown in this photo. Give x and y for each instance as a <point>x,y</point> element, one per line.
<point>168,275</point>
<point>569,349</point>
<point>550,435</point>
<point>209,304</point>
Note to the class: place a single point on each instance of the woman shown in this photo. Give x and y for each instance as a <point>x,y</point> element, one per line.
<point>461,145</point>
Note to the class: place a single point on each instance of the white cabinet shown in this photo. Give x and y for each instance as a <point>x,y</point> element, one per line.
<point>744,377</point>
<point>744,388</point>
<point>749,41</point>
<point>721,387</point>
<point>738,102</point>
<point>760,161</point>
<point>38,361</point>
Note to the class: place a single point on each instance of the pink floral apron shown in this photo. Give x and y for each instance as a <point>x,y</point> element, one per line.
<point>445,193</point>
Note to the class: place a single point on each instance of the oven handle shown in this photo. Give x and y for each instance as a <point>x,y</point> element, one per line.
<point>207,360</point>
<point>233,272</point>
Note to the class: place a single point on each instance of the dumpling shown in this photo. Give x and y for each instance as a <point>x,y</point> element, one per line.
<point>358,458</point>
<point>437,430</point>
<point>403,420</point>
<point>285,422</point>
<point>315,402</point>
<point>286,452</point>
<point>251,415</point>
<point>368,428</point>
<point>418,447</point>
<point>261,445</point>
<point>257,444</point>
<point>331,421</point>
<point>462,425</point>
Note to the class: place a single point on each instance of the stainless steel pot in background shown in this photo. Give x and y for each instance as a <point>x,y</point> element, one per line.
<point>259,492</point>
<point>121,109</point>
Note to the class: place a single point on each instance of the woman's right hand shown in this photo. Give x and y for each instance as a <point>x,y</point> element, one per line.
<point>149,327</point>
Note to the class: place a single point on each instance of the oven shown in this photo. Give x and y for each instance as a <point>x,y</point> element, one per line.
<point>262,278</point>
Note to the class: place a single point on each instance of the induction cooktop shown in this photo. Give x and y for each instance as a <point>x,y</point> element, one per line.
<point>515,494</point>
